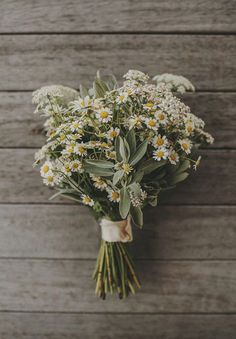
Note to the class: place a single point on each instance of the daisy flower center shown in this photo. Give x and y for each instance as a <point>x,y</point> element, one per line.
<point>104,114</point>
<point>45,168</point>
<point>152,123</point>
<point>115,195</point>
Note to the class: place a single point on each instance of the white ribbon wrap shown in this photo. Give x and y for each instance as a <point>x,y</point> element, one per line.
<point>113,231</point>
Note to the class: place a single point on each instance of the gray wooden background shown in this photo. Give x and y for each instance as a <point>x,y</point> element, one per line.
<point>186,254</point>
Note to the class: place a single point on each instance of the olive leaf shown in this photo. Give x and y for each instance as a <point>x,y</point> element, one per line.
<point>139,153</point>
<point>178,178</point>
<point>183,166</point>
<point>151,165</point>
<point>100,163</point>
<point>124,150</point>
<point>83,91</point>
<point>138,176</point>
<point>117,176</point>
<point>124,204</point>
<point>131,139</point>
<point>99,171</point>
<point>100,88</point>
<point>136,215</point>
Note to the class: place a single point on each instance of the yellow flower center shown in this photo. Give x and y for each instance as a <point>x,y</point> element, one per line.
<point>104,114</point>
<point>173,156</point>
<point>81,149</point>
<point>50,179</point>
<point>75,165</point>
<point>115,195</point>
<point>161,116</point>
<point>45,168</point>
<point>160,154</point>
<point>149,104</point>
<point>86,200</point>
<point>185,146</point>
<point>160,142</point>
<point>189,129</point>
<point>113,134</point>
<point>152,123</point>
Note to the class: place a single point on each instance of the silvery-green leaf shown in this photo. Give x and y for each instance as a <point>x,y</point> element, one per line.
<point>137,215</point>
<point>183,166</point>
<point>100,163</point>
<point>117,176</point>
<point>124,204</point>
<point>83,91</point>
<point>152,201</point>
<point>139,153</point>
<point>131,139</point>
<point>100,88</point>
<point>151,165</point>
<point>123,150</point>
<point>138,176</point>
<point>135,188</point>
<point>101,172</point>
<point>117,149</point>
<point>178,178</point>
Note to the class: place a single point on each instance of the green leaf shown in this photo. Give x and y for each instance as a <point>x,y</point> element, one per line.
<point>137,216</point>
<point>139,153</point>
<point>100,88</point>
<point>83,91</point>
<point>117,149</point>
<point>124,205</point>
<point>131,139</point>
<point>101,172</point>
<point>138,176</point>
<point>151,165</point>
<point>124,149</point>
<point>183,166</point>
<point>117,176</point>
<point>100,163</point>
<point>178,178</point>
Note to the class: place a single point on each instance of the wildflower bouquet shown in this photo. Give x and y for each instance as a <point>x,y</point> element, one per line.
<point>116,149</point>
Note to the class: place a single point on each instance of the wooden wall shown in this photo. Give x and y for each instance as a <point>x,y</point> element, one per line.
<point>186,254</point>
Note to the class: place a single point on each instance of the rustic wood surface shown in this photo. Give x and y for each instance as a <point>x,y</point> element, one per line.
<point>168,286</point>
<point>43,231</point>
<point>119,326</point>
<point>31,61</point>
<point>186,253</point>
<point>20,128</point>
<point>211,184</point>
<point>124,15</point>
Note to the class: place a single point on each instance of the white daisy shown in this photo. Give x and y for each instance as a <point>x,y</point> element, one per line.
<point>80,149</point>
<point>76,166</point>
<point>81,103</point>
<point>159,141</point>
<point>161,117</point>
<point>46,169</point>
<point>189,127</point>
<point>122,97</point>
<point>99,182</point>
<point>173,157</point>
<point>114,196</point>
<point>86,200</point>
<point>113,133</point>
<point>185,145</point>
<point>161,153</point>
<point>104,115</point>
<point>151,123</point>
<point>51,180</point>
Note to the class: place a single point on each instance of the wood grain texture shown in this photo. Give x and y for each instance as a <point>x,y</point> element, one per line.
<point>124,15</point>
<point>20,128</point>
<point>211,184</point>
<point>31,61</point>
<point>116,326</point>
<point>173,232</point>
<point>66,286</point>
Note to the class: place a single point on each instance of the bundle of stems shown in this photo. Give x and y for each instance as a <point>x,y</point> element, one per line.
<point>114,271</point>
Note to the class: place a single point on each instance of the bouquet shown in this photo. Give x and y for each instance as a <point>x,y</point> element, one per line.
<point>115,149</point>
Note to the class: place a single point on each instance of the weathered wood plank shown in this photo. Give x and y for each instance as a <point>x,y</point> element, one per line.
<point>20,128</point>
<point>211,184</point>
<point>116,326</point>
<point>31,61</point>
<point>66,285</point>
<point>173,232</point>
<point>124,15</point>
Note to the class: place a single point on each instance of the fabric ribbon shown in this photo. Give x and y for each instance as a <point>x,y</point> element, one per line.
<point>113,231</point>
